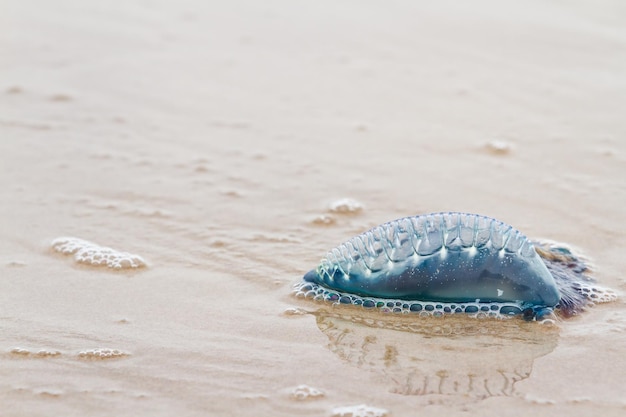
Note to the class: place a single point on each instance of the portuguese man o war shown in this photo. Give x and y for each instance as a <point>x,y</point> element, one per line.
<point>446,263</point>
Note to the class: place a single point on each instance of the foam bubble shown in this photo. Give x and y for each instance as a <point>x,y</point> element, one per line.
<point>305,289</point>
<point>20,351</point>
<point>102,353</point>
<point>291,311</point>
<point>597,294</point>
<point>93,254</point>
<point>346,206</point>
<point>324,220</point>
<point>43,353</point>
<point>304,392</point>
<point>498,147</point>
<point>359,411</point>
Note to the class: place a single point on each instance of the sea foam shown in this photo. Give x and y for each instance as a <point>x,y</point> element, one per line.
<point>90,253</point>
<point>359,411</point>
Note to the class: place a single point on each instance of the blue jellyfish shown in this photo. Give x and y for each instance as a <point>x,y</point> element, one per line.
<point>446,263</point>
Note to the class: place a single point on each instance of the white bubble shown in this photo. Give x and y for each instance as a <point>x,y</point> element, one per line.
<point>304,392</point>
<point>45,353</point>
<point>20,351</point>
<point>498,147</point>
<point>324,220</point>
<point>291,311</point>
<point>93,254</point>
<point>102,353</point>
<point>42,353</point>
<point>346,206</point>
<point>359,411</point>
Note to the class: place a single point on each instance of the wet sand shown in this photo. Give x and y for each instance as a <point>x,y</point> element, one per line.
<point>211,140</point>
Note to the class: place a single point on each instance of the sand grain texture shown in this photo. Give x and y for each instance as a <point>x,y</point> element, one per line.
<point>211,138</point>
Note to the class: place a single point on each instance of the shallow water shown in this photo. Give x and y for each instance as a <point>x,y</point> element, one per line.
<point>212,140</point>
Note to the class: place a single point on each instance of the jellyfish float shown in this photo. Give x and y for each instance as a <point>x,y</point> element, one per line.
<point>447,263</point>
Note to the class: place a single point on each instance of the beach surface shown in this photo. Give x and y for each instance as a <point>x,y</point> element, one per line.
<point>212,146</point>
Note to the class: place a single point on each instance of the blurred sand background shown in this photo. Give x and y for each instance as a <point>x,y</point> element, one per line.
<point>210,138</point>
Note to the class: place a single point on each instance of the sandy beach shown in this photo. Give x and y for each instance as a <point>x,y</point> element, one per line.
<point>211,139</point>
